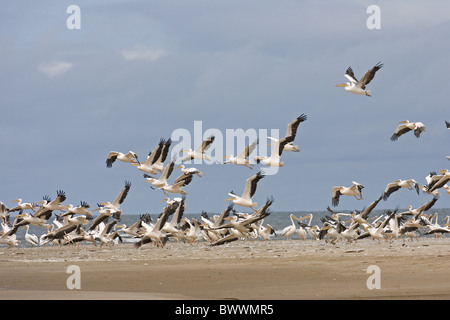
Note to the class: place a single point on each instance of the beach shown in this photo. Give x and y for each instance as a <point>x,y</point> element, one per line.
<point>250,270</point>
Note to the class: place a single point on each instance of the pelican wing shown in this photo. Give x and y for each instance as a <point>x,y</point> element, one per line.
<point>248,150</point>
<point>112,156</point>
<point>390,188</point>
<point>123,194</point>
<point>350,75</point>
<point>293,125</point>
<point>154,155</point>
<point>447,124</point>
<point>165,150</point>
<point>250,185</point>
<point>335,194</point>
<point>206,144</point>
<point>419,129</point>
<point>401,130</point>
<point>369,75</point>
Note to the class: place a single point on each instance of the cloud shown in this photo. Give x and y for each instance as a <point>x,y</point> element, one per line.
<point>55,68</point>
<point>143,53</point>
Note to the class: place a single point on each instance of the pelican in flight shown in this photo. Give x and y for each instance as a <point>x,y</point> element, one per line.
<point>115,206</point>
<point>190,170</point>
<point>406,126</point>
<point>148,166</point>
<point>355,190</point>
<point>162,181</point>
<point>114,155</point>
<point>359,87</point>
<point>292,132</point>
<point>82,209</point>
<point>199,153</point>
<point>250,188</point>
<point>178,185</point>
<point>439,182</point>
<point>275,156</point>
<point>242,158</point>
<point>22,205</point>
<point>397,184</point>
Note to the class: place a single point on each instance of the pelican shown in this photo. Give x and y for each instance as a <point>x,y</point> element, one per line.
<point>158,165</point>
<point>114,155</point>
<point>406,126</point>
<point>377,232</point>
<point>115,206</point>
<point>162,181</point>
<point>49,205</point>
<point>178,185</point>
<point>397,184</point>
<point>32,239</point>
<point>249,191</point>
<point>355,190</point>
<point>82,209</point>
<point>358,87</point>
<point>275,157</point>
<point>190,170</point>
<point>22,205</point>
<point>289,231</point>
<point>443,180</point>
<point>292,132</point>
<point>265,232</point>
<point>242,158</point>
<point>148,165</point>
<point>199,153</point>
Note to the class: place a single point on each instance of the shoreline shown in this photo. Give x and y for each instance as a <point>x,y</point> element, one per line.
<point>250,270</point>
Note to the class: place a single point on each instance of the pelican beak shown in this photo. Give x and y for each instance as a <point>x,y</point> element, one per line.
<point>229,199</point>
<point>341,85</point>
<point>179,167</point>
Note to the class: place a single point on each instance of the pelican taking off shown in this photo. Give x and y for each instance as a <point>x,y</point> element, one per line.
<point>242,158</point>
<point>406,126</point>
<point>250,188</point>
<point>359,87</point>
<point>114,155</point>
<point>275,156</point>
<point>292,132</point>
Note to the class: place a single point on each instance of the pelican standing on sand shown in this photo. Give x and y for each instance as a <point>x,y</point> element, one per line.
<point>355,190</point>
<point>358,87</point>
<point>250,188</point>
<point>406,126</point>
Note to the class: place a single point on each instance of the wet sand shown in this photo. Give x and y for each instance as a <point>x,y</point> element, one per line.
<point>251,270</point>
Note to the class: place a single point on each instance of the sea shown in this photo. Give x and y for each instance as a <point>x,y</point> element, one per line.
<point>278,221</point>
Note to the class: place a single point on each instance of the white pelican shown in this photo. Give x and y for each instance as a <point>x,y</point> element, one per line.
<point>358,87</point>
<point>242,158</point>
<point>289,231</point>
<point>178,185</point>
<point>395,185</point>
<point>158,165</point>
<point>355,190</point>
<point>148,165</point>
<point>115,206</point>
<point>32,239</point>
<point>275,156</point>
<point>292,132</point>
<point>49,205</point>
<point>82,209</point>
<point>162,180</point>
<point>301,231</point>
<point>190,170</point>
<point>418,211</point>
<point>8,237</point>
<point>22,205</point>
<point>199,153</point>
<point>136,229</point>
<point>265,232</point>
<point>406,126</point>
<point>377,232</point>
<point>444,178</point>
<point>155,233</point>
<point>114,155</point>
<point>249,191</point>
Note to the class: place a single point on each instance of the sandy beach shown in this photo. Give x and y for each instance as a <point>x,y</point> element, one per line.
<point>262,270</point>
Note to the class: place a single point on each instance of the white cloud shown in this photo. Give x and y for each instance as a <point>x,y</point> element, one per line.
<point>55,68</point>
<point>143,53</point>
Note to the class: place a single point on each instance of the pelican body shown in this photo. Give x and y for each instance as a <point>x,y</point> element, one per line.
<point>359,87</point>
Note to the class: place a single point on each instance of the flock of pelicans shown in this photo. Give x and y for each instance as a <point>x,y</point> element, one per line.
<point>76,224</point>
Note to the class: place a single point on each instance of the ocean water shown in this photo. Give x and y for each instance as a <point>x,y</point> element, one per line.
<point>278,220</point>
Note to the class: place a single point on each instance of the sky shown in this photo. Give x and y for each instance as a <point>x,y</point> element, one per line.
<point>137,71</point>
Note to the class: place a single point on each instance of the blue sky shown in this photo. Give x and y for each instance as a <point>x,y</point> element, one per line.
<point>138,70</point>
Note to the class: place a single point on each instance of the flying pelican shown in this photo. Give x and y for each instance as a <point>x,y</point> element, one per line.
<point>249,191</point>
<point>148,165</point>
<point>162,181</point>
<point>355,190</point>
<point>158,165</point>
<point>443,180</point>
<point>115,206</point>
<point>114,155</point>
<point>406,126</point>
<point>199,153</point>
<point>178,185</point>
<point>49,205</point>
<point>410,184</point>
<point>82,209</point>
<point>32,239</point>
<point>358,87</point>
<point>292,132</point>
<point>377,232</point>
<point>190,170</point>
<point>274,159</point>
<point>22,205</point>
<point>242,158</point>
